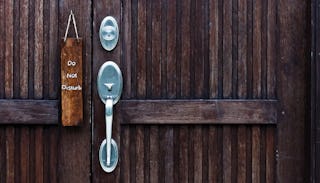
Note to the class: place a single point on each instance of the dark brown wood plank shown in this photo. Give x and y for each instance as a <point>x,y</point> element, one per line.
<point>271,48</point>
<point>257,46</point>
<point>156,49</point>
<point>250,49</point>
<point>2,52</point>
<point>39,165</point>
<point>23,48</point>
<point>16,50</point>
<point>38,50</point>
<point>53,53</point>
<point>255,154</point>
<point>197,152</point>
<point>198,111</point>
<point>294,53</point>
<point>29,111</point>
<point>168,158</point>
<point>125,154</point>
<point>154,154</point>
<point>139,154</point>
<point>3,155</point>
<point>186,47</point>
<point>213,45</point>
<point>100,10</point>
<point>141,49</point>
<point>171,49</point>
<point>241,167</point>
<point>126,49</point>
<point>227,48</point>
<point>10,155</point>
<point>226,155</point>
<point>242,48</point>
<point>9,49</point>
<point>24,163</point>
<point>183,154</point>
<point>213,155</point>
<point>270,154</point>
<point>197,62</point>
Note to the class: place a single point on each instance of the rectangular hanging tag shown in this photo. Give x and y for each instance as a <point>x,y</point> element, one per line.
<point>71,82</point>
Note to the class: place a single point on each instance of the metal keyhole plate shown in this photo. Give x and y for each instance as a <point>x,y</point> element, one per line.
<point>109,33</point>
<point>109,82</point>
<point>103,154</point>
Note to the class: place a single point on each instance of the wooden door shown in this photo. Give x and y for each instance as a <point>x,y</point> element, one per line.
<point>213,91</point>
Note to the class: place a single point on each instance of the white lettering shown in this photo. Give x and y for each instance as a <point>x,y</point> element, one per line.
<point>70,88</point>
<point>72,75</point>
<point>71,63</point>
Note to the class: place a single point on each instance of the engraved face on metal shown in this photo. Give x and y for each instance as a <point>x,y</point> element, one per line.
<point>109,33</point>
<point>109,82</point>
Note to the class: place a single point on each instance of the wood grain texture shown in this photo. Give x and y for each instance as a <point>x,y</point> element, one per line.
<point>71,82</point>
<point>101,9</point>
<point>163,56</point>
<point>291,68</point>
<point>29,111</point>
<point>197,112</point>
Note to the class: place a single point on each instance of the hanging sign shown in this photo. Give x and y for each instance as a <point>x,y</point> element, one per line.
<point>71,78</point>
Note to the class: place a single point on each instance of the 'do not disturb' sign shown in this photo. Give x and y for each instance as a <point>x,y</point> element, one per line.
<point>71,79</point>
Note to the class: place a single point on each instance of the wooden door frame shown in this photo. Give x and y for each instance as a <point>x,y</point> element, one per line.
<point>314,92</point>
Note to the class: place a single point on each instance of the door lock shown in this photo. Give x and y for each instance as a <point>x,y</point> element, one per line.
<point>109,84</point>
<point>109,33</point>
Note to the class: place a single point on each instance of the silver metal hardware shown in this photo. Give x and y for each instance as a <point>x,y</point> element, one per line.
<point>109,33</point>
<point>109,84</point>
<point>68,25</point>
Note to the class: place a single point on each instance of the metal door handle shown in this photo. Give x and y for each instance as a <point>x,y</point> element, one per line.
<point>109,84</point>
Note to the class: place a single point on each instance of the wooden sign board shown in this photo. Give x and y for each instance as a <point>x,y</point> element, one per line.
<point>71,82</point>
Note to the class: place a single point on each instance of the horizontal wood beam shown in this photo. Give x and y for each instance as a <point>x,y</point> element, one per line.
<point>197,111</point>
<point>26,112</point>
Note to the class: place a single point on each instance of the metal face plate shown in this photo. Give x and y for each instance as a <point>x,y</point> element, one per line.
<point>103,156</point>
<point>109,33</point>
<point>109,82</point>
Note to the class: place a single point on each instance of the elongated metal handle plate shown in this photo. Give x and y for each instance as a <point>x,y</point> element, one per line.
<point>109,83</point>
<point>109,106</point>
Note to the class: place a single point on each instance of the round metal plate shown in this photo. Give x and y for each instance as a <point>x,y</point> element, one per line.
<point>103,156</point>
<point>109,82</point>
<point>109,33</point>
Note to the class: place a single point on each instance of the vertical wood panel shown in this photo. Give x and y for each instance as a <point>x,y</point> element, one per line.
<point>227,48</point>
<point>242,49</point>
<point>126,49</point>
<point>213,45</point>
<point>185,58</point>
<point>156,49</point>
<point>294,53</point>
<point>256,59</point>
<point>125,155</point>
<point>10,154</point>
<point>171,49</point>
<point>197,153</point>
<point>226,154</point>
<point>53,53</point>
<point>23,47</point>
<point>154,154</point>
<point>38,50</point>
<point>2,52</point>
<point>9,49</point>
<point>139,154</point>
<point>271,48</point>
<point>141,59</point>
<point>255,154</point>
